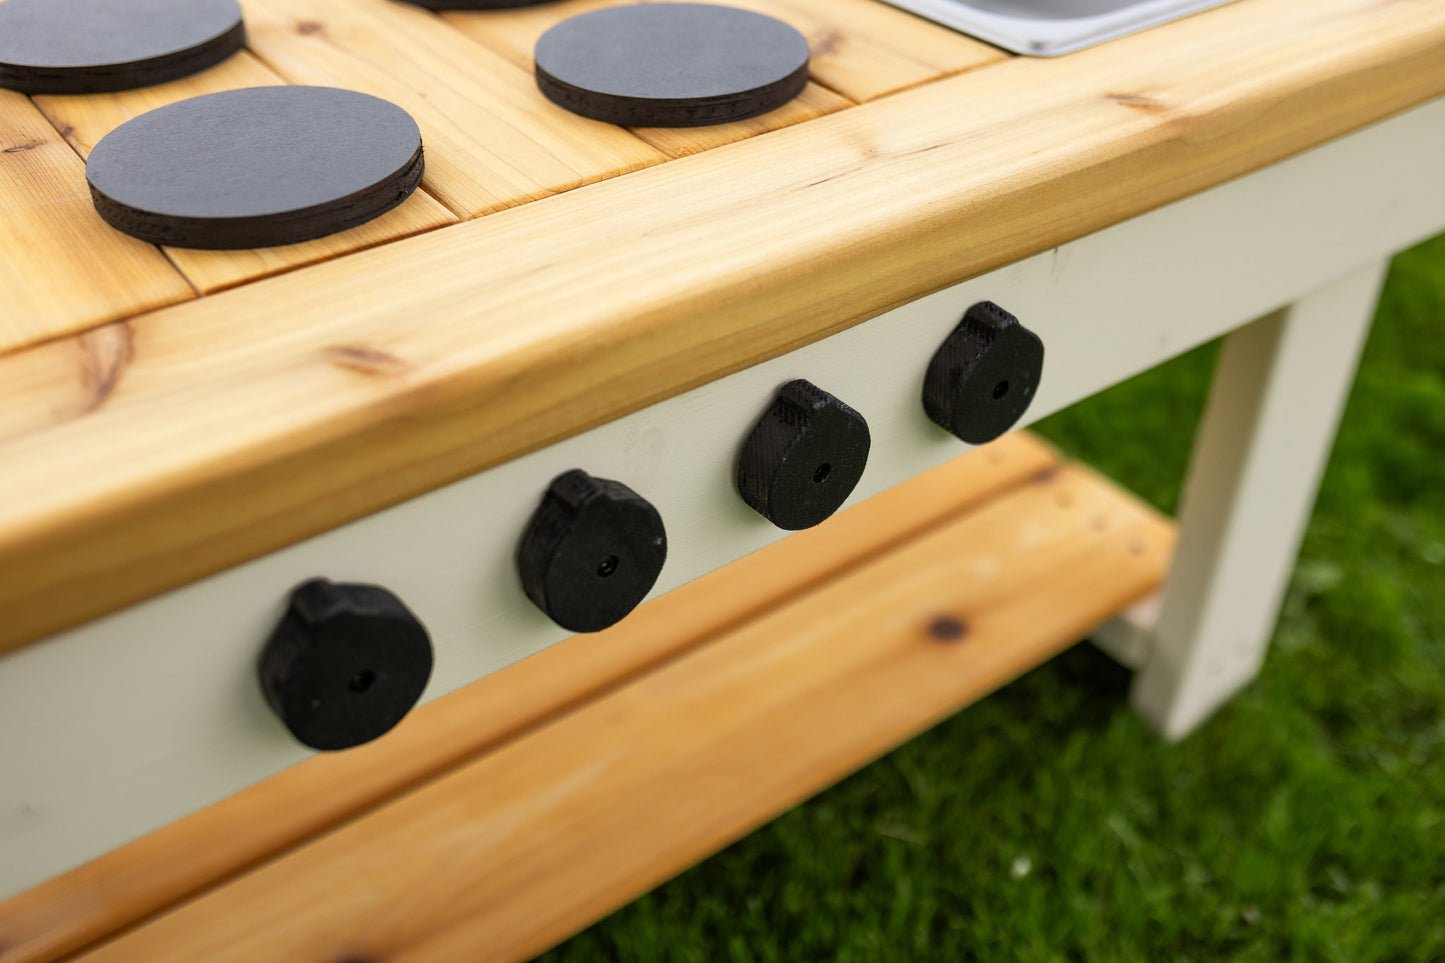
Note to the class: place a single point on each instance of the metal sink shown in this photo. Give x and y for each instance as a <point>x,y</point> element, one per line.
<point>1047,28</point>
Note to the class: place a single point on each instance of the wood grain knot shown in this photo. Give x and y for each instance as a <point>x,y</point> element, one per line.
<point>106,352</point>
<point>21,148</point>
<point>308,27</point>
<point>1046,476</point>
<point>367,361</point>
<point>946,628</point>
<point>1140,102</point>
<point>825,43</point>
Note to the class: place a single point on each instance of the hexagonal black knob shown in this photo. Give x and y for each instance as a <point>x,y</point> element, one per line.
<point>345,663</point>
<point>591,552</point>
<point>804,458</point>
<point>983,378</point>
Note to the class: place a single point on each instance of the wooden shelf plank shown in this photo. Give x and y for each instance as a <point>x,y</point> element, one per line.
<point>158,870</point>
<point>63,269</point>
<point>86,119</point>
<point>524,845</point>
<point>492,140</point>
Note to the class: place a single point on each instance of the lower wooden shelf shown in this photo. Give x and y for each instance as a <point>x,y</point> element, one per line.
<point>499,820</point>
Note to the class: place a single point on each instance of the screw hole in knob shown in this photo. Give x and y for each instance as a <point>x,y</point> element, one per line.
<point>821,475</point>
<point>608,566</point>
<point>362,681</point>
<point>999,390</point>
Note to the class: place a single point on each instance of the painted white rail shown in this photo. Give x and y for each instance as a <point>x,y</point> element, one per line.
<point>117,727</point>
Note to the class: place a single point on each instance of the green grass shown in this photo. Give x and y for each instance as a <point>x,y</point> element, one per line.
<point>1306,821</point>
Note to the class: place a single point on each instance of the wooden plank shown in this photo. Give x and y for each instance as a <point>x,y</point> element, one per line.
<point>63,269</point>
<point>236,431</point>
<point>86,119</point>
<point>861,49</point>
<point>865,50</point>
<point>493,141</point>
<point>814,101</point>
<point>513,34</point>
<point>147,876</point>
<point>523,846</point>
<point>942,50</point>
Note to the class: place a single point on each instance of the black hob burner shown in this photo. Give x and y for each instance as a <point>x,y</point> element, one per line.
<point>94,46</point>
<point>256,167</point>
<point>671,64</point>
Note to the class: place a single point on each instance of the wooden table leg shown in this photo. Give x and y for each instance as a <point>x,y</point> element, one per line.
<point>1267,431</point>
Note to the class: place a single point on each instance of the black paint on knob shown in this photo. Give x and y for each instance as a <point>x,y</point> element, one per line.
<point>804,458</point>
<point>345,664</point>
<point>591,552</point>
<point>983,378</point>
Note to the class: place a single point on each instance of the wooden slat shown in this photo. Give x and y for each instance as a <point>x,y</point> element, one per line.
<point>814,101</point>
<point>854,50</point>
<point>234,431</point>
<point>942,50</point>
<point>86,119</point>
<point>525,845</point>
<point>514,33</point>
<point>146,876</point>
<point>63,269</point>
<point>861,49</point>
<point>493,141</point>
<point>866,50</point>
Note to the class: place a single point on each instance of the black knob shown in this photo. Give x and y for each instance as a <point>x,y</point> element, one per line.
<point>981,381</point>
<point>804,458</point>
<point>345,664</point>
<point>591,552</point>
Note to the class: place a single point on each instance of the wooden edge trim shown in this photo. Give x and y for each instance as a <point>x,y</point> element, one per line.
<point>235,430</point>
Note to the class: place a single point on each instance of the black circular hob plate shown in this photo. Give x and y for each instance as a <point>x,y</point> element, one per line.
<point>91,46</point>
<point>255,168</point>
<point>671,64</point>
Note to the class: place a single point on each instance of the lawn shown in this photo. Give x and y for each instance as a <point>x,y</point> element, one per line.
<point>1306,821</point>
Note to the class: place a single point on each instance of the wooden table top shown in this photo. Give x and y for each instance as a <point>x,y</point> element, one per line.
<point>167,413</point>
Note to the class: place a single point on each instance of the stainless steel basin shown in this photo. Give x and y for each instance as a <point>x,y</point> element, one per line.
<point>1047,28</point>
